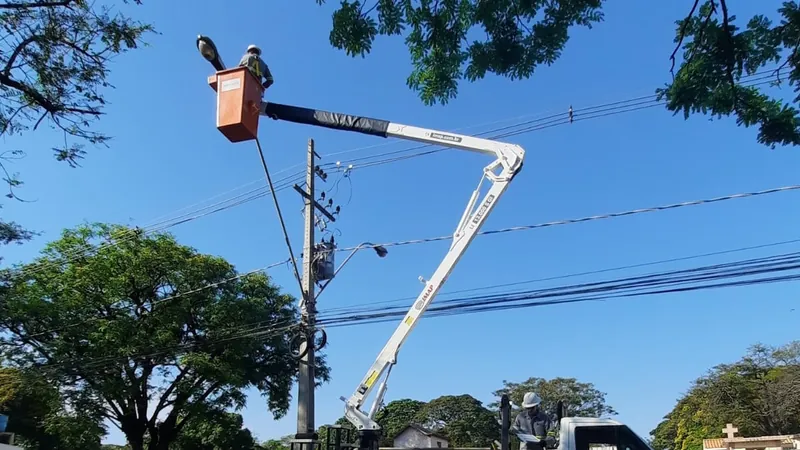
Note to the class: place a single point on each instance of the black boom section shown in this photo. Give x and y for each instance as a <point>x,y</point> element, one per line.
<point>337,121</point>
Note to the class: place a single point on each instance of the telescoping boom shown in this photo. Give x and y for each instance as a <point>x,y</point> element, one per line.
<point>508,159</point>
<point>507,162</point>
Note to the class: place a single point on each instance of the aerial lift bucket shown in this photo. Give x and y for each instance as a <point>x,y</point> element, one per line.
<point>238,103</point>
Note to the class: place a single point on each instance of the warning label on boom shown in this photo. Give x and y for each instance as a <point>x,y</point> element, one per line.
<point>445,137</point>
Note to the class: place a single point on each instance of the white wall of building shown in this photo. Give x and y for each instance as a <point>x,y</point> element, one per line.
<point>412,438</point>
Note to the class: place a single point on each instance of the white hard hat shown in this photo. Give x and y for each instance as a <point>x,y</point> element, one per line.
<point>530,400</point>
<point>253,48</point>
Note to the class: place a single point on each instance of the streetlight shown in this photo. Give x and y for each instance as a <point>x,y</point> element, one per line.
<point>209,51</point>
<point>379,250</point>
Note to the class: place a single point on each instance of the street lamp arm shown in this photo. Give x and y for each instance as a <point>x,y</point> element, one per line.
<point>379,249</point>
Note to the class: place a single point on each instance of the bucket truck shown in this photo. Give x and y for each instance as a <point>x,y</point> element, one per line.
<point>239,104</point>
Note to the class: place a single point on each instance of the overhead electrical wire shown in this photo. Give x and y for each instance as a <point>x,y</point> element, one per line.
<point>747,272</point>
<point>292,259</point>
<point>540,123</point>
<point>589,218</point>
<point>543,225</point>
<point>744,273</point>
<point>405,300</point>
<point>557,119</point>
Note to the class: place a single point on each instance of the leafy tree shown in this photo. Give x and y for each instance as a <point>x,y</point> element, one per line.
<point>276,444</point>
<point>580,399</point>
<point>146,326</point>
<point>462,418</point>
<point>55,60</point>
<point>215,430</point>
<point>712,52</point>
<point>395,417</point>
<point>757,393</point>
<point>519,36</point>
<point>37,418</point>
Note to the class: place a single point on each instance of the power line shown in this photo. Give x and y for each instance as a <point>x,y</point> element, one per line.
<point>596,111</point>
<point>540,225</point>
<point>743,273</point>
<point>581,114</point>
<point>574,275</point>
<point>739,273</point>
<point>593,218</point>
<point>557,119</point>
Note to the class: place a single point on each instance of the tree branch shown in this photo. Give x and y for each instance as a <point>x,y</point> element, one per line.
<point>729,51</point>
<point>200,400</point>
<point>15,54</point>
<point>682,35</point>
<point>30,5</point>
<point>41,100</point>
<point>165,396</point>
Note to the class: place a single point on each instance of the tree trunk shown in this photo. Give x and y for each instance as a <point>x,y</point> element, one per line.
<point>136,444</point>
<point>134,431</point>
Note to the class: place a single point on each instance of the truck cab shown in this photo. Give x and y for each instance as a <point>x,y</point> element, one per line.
<point>589,433</point>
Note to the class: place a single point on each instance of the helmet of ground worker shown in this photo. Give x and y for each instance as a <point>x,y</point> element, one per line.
<point>254,49</point>
<point>530,400</point>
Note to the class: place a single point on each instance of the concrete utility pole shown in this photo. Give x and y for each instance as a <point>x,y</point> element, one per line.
<point>306,382</point>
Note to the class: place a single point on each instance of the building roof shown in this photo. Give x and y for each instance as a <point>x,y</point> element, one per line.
<point>725,443</point>
<point>423,430</point>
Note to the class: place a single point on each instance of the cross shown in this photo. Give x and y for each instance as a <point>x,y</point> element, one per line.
<point>730,430</point>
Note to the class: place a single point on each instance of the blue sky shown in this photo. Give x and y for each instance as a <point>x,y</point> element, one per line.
<point>644,352</point>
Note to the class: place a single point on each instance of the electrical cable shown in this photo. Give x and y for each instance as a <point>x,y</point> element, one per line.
<point>570,275</point>
<point>35,267</point>
<point>588,218</point>
<point>280,218</point>
<point>601,110</point>
<point>738,273</point>
<point>565,118</point>
<point>684,280</point>
<point>548,224</point>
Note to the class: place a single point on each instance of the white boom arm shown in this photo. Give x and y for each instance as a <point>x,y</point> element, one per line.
<point>508,161</point>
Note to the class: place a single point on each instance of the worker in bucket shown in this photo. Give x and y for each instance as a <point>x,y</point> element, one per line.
<point>252,60</point>
<point>533,421</point>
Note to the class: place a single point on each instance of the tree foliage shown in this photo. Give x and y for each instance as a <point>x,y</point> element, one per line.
<point>148,327</point>
<point>717,53</point>
<point>580,399</point>
<point>215,429</point>
<point>454,40</point>
<point>55,58</point>
<point>395,416</point>
<point>519,36</point>
<point>759,394</point>
<point>462,418</point>
<point>276,444</point>
<point>37,417</point>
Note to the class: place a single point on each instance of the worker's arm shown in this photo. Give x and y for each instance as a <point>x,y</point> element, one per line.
<point>551,440</point>
<point>515,427</point>
<point>268,80</point>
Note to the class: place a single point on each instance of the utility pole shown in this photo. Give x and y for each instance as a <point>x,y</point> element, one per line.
<point>317,266</point>
<point>306,381</point>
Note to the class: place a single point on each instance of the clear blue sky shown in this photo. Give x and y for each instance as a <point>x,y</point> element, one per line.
<point>644,352</point>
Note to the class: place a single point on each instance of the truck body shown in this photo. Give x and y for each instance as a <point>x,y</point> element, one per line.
<point>589,433</point>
